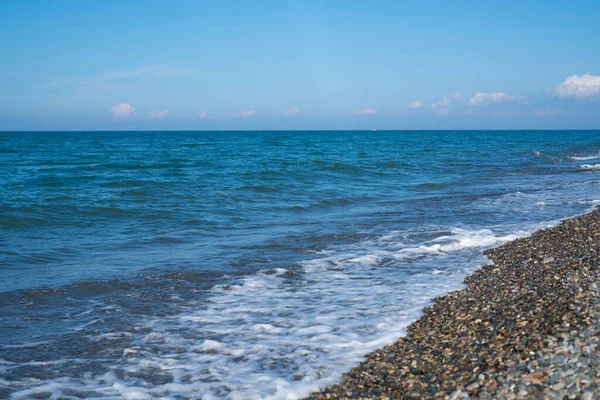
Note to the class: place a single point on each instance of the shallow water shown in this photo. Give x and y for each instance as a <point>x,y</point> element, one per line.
<point>251,264</point>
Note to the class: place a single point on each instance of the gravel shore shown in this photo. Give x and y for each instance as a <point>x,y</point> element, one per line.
<point>526,326</point>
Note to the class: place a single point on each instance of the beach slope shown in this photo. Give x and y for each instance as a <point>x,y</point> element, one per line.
<point>525,326</point>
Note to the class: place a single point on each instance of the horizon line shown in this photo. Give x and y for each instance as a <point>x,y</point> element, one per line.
<point>291,130</point>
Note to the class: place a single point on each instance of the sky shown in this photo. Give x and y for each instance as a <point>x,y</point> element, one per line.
<point>221,65</point>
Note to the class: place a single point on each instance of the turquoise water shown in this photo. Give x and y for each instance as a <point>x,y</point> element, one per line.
<point>251,264</point>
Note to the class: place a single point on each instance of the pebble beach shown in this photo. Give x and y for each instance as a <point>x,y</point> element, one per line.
<point>526,326</point>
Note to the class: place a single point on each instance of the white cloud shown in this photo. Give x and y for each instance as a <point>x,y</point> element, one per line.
<point>549,112</point>
<point>292,111</point>
<point>122,110</point>
<point>584,86</point>
<point>484,99</point>
<point>202,114</point>
<point>158,114</point>
<point>444,102</point>
<point>143,72</point>
<point>415,104</point>
<point>247,113</point>
<point>456,96</point>
<point>441,112</point>
<point>366,111</point>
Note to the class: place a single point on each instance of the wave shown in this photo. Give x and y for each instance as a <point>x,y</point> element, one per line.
<point>282,332</point>
<point>583,158</point>
<point>592,167</point>
<point>461,239</point>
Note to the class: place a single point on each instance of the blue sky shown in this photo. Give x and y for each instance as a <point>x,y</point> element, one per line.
<point>78,65</point>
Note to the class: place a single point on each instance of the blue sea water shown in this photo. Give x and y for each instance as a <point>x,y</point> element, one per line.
<point>251,264</point>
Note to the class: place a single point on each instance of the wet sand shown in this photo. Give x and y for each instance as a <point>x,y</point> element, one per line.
<point>525,326</point>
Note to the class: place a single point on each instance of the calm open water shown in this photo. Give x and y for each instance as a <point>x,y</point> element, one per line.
<point>251,264</point>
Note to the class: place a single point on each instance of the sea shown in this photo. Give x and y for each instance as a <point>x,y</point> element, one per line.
<point>251,265</point>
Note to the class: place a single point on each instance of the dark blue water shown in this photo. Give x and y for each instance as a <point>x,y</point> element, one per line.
<point>251,264</point>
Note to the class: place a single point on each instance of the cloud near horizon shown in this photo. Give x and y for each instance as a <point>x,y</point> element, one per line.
<point>247,113</point>
<point>122,110</point>
<point>585,86</point>
<point>441,112</point>
<point>485,99</point>
<point>158,114</point>
<point>366,111</point>
<point>415,104</point>
<point>581,87</point>
<point>444,102</point>
<point>292,111</point>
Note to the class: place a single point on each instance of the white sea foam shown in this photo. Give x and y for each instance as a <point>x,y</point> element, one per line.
<point>366,259</point>
<point>463,239</point>
<point>24,345</point>
<point>583,158</point>
<point>590,166</point>
<point>588,201</point>
<point>269,336</point>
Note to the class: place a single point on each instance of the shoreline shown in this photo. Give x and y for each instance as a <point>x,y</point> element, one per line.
<point>525,326</point>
